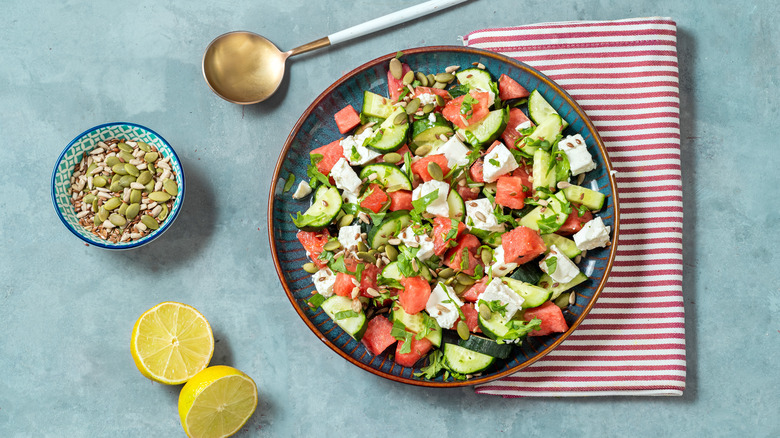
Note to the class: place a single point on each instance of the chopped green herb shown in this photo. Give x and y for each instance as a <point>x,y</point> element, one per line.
<point>315,301</point>
<point>434,367</point>
<point>495,306</point>
<point>548,224</point>
<point>466,106</point>
<point>552,264</point>
<point>289,183</point>
<point>399,54</point>
<point>314,174</point>
<point>494,162</point>
<point>344,314</point>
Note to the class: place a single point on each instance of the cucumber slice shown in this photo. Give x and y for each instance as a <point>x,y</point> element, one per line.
<point>554,207</point>
<point>475,78</point>
<point>388,175</point>
<point>486,346</point>
<point>464,361</point>
<point>354,325</point>
<point>457,206</point>
<point>527,273</point>
<point>325,208</point>
<point>415,323</point>
<point>426,132</point>
<point>548,130</point>
<point>376,106</point>
<point>556,289</point>
<point>540,110</point>
<point>590,198</point>
<point>495,327</point>
<point>486,131</point>
<point>389,137</point>
<point>393,224</point>
<point>392,272</point>
<point>533,296</point>
<point>567,247</point>
<point>543,173</point>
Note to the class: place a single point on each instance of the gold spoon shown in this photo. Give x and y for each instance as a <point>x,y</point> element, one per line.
<point>245,68</point>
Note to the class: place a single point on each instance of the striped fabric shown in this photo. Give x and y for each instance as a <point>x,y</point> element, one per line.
<point>624,75</point>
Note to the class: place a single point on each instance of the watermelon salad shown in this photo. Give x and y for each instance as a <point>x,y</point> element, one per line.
<point>448,223</point>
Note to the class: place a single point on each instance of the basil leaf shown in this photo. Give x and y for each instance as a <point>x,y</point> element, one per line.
<point>289,183</point>
<point>315,301</point>
<point>552,264</point>
<point>344,314</point>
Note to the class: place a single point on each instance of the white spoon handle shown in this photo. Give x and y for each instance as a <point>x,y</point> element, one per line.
<point>389,20</point>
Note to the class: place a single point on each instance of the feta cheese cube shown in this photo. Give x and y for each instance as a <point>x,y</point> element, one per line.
<point>439,207</point>
<point>355,152</point>
<point>496,290</point>
<point>525,125</point>
<point>498,162</point>
<point>303,190</point>
<point>427,98</point>
<point>349,237</point>
<point>423,243</point>
<point>479,214</point>
<point>500,268</point>
<point>324,281</point>
<point>432,117</point>
<point>349,197</point>
<point>564,270</point>
<point>592,235</point>
<point>454,151</point>
<point>346,178</point>
<point>443,305</point>
<point>576,151</point>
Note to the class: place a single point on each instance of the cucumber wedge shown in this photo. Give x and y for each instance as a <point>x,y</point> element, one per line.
<point>457,206</point>
<point>486,131</point>
<point>425,131</point>
<point>495,327</point>
<point>486,346</point>
<point>533,296</point>
<point>548,130</point>
<point>389,136</point>
<point>415,323</point>
<point>567,246</point>
<point>465,361</point>
<point>539,218</point>
<point>340,310</point>
<point>540,110</point>
<point>392,272</point>
<point>543,173</point>
<point>475,78</point>
<point>556,289</point>
<point>528,272</point>
<point>590,198</point>
<point>376,106</point>
<point>388,175</point>
<point>390,227</point>
<point>325,208</point>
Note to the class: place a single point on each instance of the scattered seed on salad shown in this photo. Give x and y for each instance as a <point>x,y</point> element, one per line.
<point>431,78</point>
<point>408,78</point>
<point>422,78</point>
<point>395,68</point>
<point>106,180</point>
<point>452,69</point>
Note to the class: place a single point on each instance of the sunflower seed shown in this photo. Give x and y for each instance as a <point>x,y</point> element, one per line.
<point>452,68</point>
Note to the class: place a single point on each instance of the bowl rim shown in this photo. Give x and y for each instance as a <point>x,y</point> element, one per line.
<point>477,52</point>
<point>133,244</point>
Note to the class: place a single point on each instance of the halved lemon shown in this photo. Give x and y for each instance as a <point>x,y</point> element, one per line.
<point>217,402</point>
<point>171,342</point>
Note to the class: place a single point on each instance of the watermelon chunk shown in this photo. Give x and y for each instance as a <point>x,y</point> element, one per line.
<point>312,242</point>
<point>420,167</point>
<point>414,295</point>
<point>441,230</point>
<point>574,222</point>
<point>331,154</point>
<point>347,119</point>
<point>478,111</point>
<point>510,192</point>
<point>400,200</point>
<point>475,290</point>
<point>378,335</point>
<point>511,136</point>
<point>522,245</point>
<point>508,88</point>
<point>551,316</point>
<point>376,198</point>
<point>419,349</point>
<point>396,86</point>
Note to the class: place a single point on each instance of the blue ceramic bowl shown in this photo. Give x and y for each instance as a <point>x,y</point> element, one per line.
<point>85,142</point>
<point>316,127</point>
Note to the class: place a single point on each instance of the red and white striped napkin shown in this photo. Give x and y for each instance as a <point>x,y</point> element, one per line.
<point>624,75</point>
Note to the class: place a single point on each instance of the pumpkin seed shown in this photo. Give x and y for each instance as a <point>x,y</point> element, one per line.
<point>460,288</point>
<point>144,177</point>
<point>122,209</point>
<point>163,214</point>
<point>89,198</point>
<point>125,147</point>
<point>391,253</point>
<point>119,169</point>
<point>408,78</point>
<point>91,167</point>
<point>135,196</point>
<point>112,160</point>
<point>463,330</point>
<point>99,181</point>
<point>362,246</point>
<point>465,279</point>
<point>144,146</point>
<point>332,245</point>
<point>311,268</point>
<point>149,222</point>
<point>423,150</point>
<point>400,119</point>
<point>366,257</point>
<point>396,69</point>
<point>439,100</point>
<point>112,204</point>
<point>151,157</point>
<point>563,300</point>
<point>117,219</point>
<point>440,85</point>
<point>444,77</point>
<point>422,78</point>
<point>485,312</point>
<point>115,187</point>
<point>132,170</point>
<point>346,220</point>
<point>412,106</point>
<point>435,171</point>
<point>446,273</point>
<point>126,156</point>
<point>151,169</point>
<point>159,196</point>
<point>392,158</point>
<point>171,187</point>
<point>431,78</point>
<point>449,281</point>
<point>132,210</point>
<point>95,205</point>
<point>149,187</point>
<point>102,214</point>
<point>487,257</point>
<point>126,180</point>
<point>428,108</point>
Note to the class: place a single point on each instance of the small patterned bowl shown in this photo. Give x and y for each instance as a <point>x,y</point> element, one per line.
<point>85,142</point>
